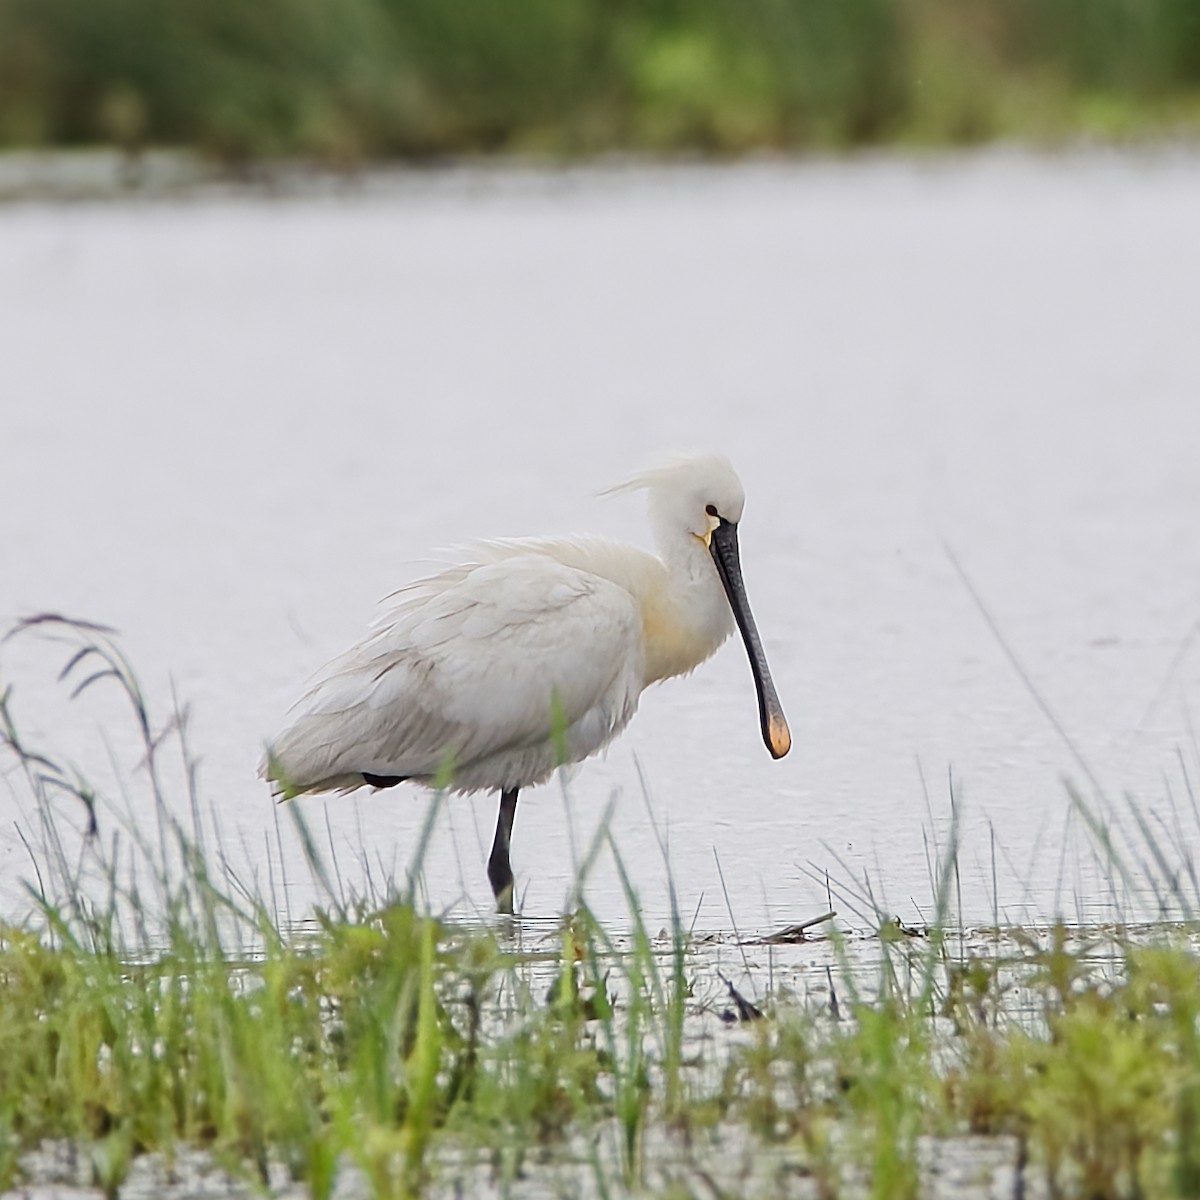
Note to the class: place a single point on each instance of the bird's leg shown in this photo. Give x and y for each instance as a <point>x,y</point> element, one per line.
<point>499,868</point>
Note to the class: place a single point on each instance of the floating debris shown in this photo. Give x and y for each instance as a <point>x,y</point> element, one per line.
<point>795,933</point>
<point>898,926</point>
<point>834,1011</point>
<point>746,1011</point>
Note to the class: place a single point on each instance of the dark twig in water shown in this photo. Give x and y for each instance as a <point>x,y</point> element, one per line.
<point>912,931</point>
<point>795,933</point>
<point>746,1011</point>
<point>834,1011</point>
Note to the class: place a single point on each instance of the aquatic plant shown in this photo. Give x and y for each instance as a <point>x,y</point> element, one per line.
<point>153,1004</point>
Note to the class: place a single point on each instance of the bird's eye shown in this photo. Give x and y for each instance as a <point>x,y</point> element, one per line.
<point>711,509</point>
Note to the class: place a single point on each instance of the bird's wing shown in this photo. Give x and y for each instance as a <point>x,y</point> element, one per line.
<point>468,663</point>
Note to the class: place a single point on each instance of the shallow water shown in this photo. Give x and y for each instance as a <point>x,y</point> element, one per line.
<point>796,983</point>
<point>231,424</point>
<point>967,1167</point>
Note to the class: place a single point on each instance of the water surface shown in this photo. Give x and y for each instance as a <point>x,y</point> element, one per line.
<point>230,425</point>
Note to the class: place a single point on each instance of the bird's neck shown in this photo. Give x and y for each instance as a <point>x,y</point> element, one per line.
<point>685,615</point>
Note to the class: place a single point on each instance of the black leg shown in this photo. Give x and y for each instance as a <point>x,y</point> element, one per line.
<point>499,868</point>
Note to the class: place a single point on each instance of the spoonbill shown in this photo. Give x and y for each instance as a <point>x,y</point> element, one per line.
<point>532,654</point>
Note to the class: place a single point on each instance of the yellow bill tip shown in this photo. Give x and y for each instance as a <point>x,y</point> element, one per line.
<point>779,736</point>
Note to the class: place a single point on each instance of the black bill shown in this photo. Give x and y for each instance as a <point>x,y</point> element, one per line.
<point>723,546</point>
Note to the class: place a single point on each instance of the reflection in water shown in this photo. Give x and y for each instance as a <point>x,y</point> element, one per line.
<point>232,425</point>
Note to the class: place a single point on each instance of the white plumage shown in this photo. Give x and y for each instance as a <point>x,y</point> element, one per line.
<point>492,673</point>
<point>462,673</point>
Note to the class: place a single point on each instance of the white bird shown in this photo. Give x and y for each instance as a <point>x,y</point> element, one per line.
<point>490,674</point>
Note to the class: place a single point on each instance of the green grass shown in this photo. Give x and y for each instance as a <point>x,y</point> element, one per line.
<point>433,1058</point>
<point>344,81</point>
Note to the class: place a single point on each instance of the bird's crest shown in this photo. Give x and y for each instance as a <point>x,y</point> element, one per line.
<point>673,471</point>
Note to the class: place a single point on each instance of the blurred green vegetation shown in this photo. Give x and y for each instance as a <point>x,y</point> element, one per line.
<point>348,80</point>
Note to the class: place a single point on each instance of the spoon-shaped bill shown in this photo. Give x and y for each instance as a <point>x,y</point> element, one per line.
<point>724,549</point>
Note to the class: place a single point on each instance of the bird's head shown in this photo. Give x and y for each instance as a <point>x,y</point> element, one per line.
<point>693,494</point>
<point>701,497</point>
